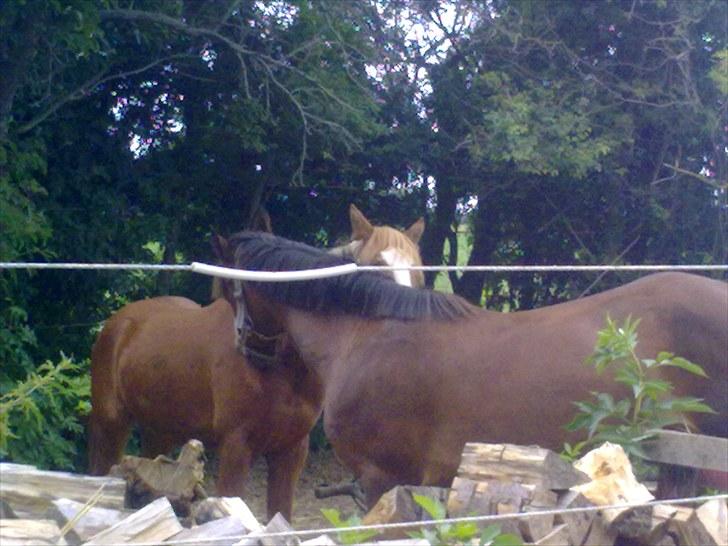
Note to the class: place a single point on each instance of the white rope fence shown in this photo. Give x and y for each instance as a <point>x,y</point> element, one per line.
<point>434,523</point>
<point>346,269</point>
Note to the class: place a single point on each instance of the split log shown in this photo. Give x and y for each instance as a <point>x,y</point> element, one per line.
<point>662,520</point>
<point>525,465</point>
<point>483,497</point>
<point>93,521</point>
<point>713,516</point>
<point>537,528</point>
<point>219,532</point>
<point>706,526</point>
<point>180,481</point>
<point>277,524</point>
<point>213,508</point>
<point>156,522</point>
<point>578,524</point>
<point>21,532</point>
<point>613,482</point>
<point>398,505</point>
<point>30,492</point>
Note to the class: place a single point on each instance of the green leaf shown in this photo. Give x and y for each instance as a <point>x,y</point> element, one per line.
<point>686,365</point>
<point>655,387</point>
<point>695,405</point>
<point>434,508</point>
<point>507,540</point>
<point>489,534</point>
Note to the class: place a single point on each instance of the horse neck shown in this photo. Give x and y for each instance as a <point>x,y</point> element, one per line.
<point>320,341</point>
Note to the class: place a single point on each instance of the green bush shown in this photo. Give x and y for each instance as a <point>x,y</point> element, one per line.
<point>652,407</point>
<point>41,416</point>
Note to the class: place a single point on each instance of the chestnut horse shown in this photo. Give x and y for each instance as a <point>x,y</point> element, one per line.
<point>171,366</point>
<point>410,375</point>
<point>384,245</point>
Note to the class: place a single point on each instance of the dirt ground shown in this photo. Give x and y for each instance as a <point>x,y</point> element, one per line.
<point>321,467</point>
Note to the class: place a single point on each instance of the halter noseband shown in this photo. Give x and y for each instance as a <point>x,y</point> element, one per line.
<point>260,349</point>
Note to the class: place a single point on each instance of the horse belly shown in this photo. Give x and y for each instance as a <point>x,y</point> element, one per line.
<point>171,395</point>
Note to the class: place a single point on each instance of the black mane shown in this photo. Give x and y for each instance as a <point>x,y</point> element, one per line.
<point>364,293</point>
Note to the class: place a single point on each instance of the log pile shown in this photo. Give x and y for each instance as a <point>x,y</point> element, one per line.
<point>502,479</point>
<point>57,508</point>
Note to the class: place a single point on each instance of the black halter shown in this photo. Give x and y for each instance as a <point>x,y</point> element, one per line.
<point>261,350</point>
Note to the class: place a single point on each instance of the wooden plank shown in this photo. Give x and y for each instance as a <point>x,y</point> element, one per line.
<point>156,522</point>
<point>685,449</point>
<point>218,532</point>
<point>93,521</point>
<point>529,465</point>
<point>30,492</point>
<point>22,532</point>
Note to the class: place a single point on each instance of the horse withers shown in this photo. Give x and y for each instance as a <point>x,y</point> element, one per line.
<point>410,376</point>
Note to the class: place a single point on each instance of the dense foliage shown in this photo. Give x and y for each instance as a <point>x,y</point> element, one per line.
<point>545,132</point>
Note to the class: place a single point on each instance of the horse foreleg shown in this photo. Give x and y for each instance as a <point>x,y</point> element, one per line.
<point>236,458</point>
<point>107,439</point>
<point>284,469</point>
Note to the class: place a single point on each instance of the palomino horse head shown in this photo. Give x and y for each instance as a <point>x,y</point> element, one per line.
<point>384,245</point>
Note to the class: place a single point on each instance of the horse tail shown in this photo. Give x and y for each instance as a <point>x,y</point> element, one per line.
<point>109,423</point>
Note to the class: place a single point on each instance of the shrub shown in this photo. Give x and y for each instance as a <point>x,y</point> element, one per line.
<point>631,420</point>
<point>40,417</point>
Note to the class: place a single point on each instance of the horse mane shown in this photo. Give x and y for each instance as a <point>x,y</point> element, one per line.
<point>363,293</point>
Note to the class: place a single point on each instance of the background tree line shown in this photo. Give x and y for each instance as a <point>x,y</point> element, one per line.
<point>538,132</point>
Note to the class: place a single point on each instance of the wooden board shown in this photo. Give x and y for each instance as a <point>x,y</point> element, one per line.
<point>528,465</point>
<point>685,449</point>
<point>30,491</point>
<point>21,532</point>
<point>156,522</point>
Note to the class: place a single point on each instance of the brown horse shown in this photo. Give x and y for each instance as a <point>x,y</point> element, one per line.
<point>410,375</point>
<point>171,366</point>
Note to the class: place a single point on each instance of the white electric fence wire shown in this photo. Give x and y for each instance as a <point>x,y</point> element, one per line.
<point>345,269</point>
<point>433,523</point>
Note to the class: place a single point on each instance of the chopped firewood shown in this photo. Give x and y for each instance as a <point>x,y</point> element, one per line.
<point>227,531</point>
<point>180,481</point>
<point>398,505</point>
<point>613,482</point>
<point>155,522</point>
<point>213,508</point>
<point>21,532</point>
<point>30,492</point>
<point>83,521</point>
<point>530,465</point>
<point>705,526</point>
<point>577,523</point>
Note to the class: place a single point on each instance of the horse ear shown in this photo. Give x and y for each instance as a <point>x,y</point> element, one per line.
<point>361,229</point>
<point>415,231</point>
<point>219,246</point>
<point>261,221</point>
